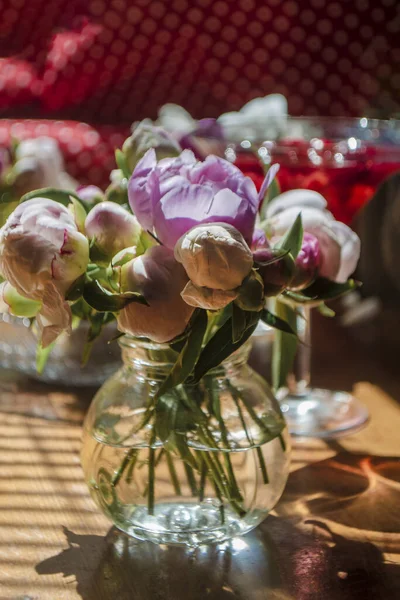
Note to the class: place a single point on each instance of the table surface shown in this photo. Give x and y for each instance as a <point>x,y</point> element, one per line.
<point>335,534</point>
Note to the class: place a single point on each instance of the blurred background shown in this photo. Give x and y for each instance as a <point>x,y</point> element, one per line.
<point>116,61</point>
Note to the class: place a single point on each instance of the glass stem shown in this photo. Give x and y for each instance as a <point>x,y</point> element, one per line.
<point>298,379</point>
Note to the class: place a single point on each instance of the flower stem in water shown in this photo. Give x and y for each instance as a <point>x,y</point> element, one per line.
<point>262,465</point>
<point>150,492</point>
<point>191,479</point>
<point>172,471</point>
<point>130,455</point>
<point>203,475</point>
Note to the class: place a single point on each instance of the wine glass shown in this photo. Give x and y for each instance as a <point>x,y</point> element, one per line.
<point>344,159</point>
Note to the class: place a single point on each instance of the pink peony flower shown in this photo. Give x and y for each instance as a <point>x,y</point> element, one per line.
<point>160,278</point>
<point>173,195</point>
<point>339,246</point>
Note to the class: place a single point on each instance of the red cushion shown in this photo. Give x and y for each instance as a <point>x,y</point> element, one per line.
<point>119,60</point>
<point>88,151</point>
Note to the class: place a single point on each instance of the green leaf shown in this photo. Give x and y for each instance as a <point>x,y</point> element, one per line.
<point>221,345</point>
<point>79,213</point>
<point>81,309</point>
<point>273,191</point>
<point>76,290</point>
<point>97,322</point>
<point>324,289</point>
<point>165,414</point>
<point>241,321</point>
<point>97,255</point>
<point>293,238</point>
<point>122,164</point>
<point>284,347</point>
<point>178,442</point>
<point>105,301</point>
<point>42,354</point>
<point>273,321</point>
<point>188,356</point>
<point>61,196</point>
<point>7,196</point>
<point>325,310</point>
<point>298,298</point>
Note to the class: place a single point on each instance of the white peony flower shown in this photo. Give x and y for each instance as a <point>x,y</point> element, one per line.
<point>42,253</point>
<point>259,118</point>
<point>339,245</point>
<point>39,164</point>
<point>112,227</point>
<point>176,120</point>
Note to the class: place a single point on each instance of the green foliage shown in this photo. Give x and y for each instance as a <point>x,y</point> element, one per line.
<point>97,321</point>
<point>273,321</point>
<point>241,321</point>
<point>322,289</point>
<point>293,238</point>
<point>222,345</point>
<point>42,354</point>
<point>285,345</point>
<point>122,163</point>
<point>325,310</point>
<point>60,196</point>
<point>188,356</point>
<point>76,290</point>
<point>103,300</point>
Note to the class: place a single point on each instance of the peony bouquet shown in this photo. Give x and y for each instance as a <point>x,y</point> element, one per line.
<point>176,251</point>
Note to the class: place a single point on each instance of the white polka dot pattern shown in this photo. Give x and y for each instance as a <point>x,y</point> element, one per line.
<point>119,60</point>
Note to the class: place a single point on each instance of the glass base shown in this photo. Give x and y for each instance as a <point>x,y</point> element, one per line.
<point>322,413</point>
<point>188,524</point>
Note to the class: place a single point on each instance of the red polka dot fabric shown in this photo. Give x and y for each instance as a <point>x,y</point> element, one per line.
<point>115,61</point>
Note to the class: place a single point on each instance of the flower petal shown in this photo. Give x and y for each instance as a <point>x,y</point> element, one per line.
<point>207,298</point>
<point>54,317</point>
<point>272,171</point>
<point>350,253</point>
<point>295,198</point>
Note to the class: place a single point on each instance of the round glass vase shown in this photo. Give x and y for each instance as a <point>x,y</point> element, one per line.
<point>203,463</point>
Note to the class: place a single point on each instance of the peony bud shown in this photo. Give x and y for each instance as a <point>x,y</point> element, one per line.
<point>144,136</point>
<point>112,227</point>
<point>119,266</point>
<point>207,298</point>
<point>276,275</point>
<point>90,195</point>
<point>307,263</point>
<point>41,254</point>
<point>214,256</point>
<point>161,279</point>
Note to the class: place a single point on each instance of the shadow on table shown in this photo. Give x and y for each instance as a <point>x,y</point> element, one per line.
<point>318,547</point>
<point>275,562</point>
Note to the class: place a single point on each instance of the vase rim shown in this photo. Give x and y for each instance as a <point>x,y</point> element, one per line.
<point>164,354</point>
